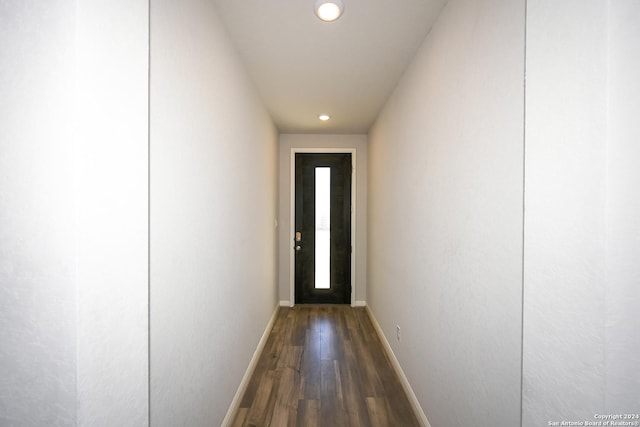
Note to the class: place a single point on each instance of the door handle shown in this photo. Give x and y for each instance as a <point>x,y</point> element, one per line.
<point>298,247</point>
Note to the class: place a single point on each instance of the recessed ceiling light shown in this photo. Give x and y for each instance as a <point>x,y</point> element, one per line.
<point>329,10</point>
<point>324,117</point>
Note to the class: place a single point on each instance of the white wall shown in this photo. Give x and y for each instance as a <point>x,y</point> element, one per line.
<point>580,274</point>
<point>37,214</point>
<point>289,141</point>
<point>445,216</point>
<point>582,234</point>
<point>213,209</point>
<point>622,323</point>
<point>565,219</point>
<point>73,213</point>
<point>112,212</point>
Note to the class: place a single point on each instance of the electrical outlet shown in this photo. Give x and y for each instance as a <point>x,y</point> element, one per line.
<point>398,332</point>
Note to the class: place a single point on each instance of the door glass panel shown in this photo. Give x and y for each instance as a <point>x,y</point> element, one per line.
<point>323,228</point>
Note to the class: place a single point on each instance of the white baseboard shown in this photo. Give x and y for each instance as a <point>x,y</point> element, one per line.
<point>287,303</point>
<point>413,400</point>
<point>235,403</point>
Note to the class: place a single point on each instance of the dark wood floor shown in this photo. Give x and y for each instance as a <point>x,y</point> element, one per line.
<point>324,366</point>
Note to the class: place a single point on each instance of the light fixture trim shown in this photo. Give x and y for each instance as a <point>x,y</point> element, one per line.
<point>329,10</point>
<point>324,117</point>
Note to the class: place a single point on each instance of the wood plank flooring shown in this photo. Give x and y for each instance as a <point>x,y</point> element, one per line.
<point>324,366</point>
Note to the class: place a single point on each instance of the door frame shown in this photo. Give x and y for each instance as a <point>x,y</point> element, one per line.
<point>292,217</point>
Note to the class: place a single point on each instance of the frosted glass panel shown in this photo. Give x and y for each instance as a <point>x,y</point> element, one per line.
<point>323,228</point>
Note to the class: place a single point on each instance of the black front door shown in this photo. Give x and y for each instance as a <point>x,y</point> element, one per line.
<point>323,228</point>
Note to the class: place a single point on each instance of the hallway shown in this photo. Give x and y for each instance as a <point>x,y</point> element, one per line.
<point>147,210</point>
<point>323,365</point>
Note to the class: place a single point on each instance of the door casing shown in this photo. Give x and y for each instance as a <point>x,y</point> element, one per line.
<point>292,221</point>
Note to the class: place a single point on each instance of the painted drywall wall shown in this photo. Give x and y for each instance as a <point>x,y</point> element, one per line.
<point>581,231</point>
<point>565,221</point>
<point>112,212</point>
<point>213,209</point>
<point>445,216</point>
<point>37,214</point>
<point>73,239</point>
<point>289,141</point>
<point>622,323</point>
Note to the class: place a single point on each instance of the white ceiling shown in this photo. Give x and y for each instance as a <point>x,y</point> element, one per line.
<point>303,66</point>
